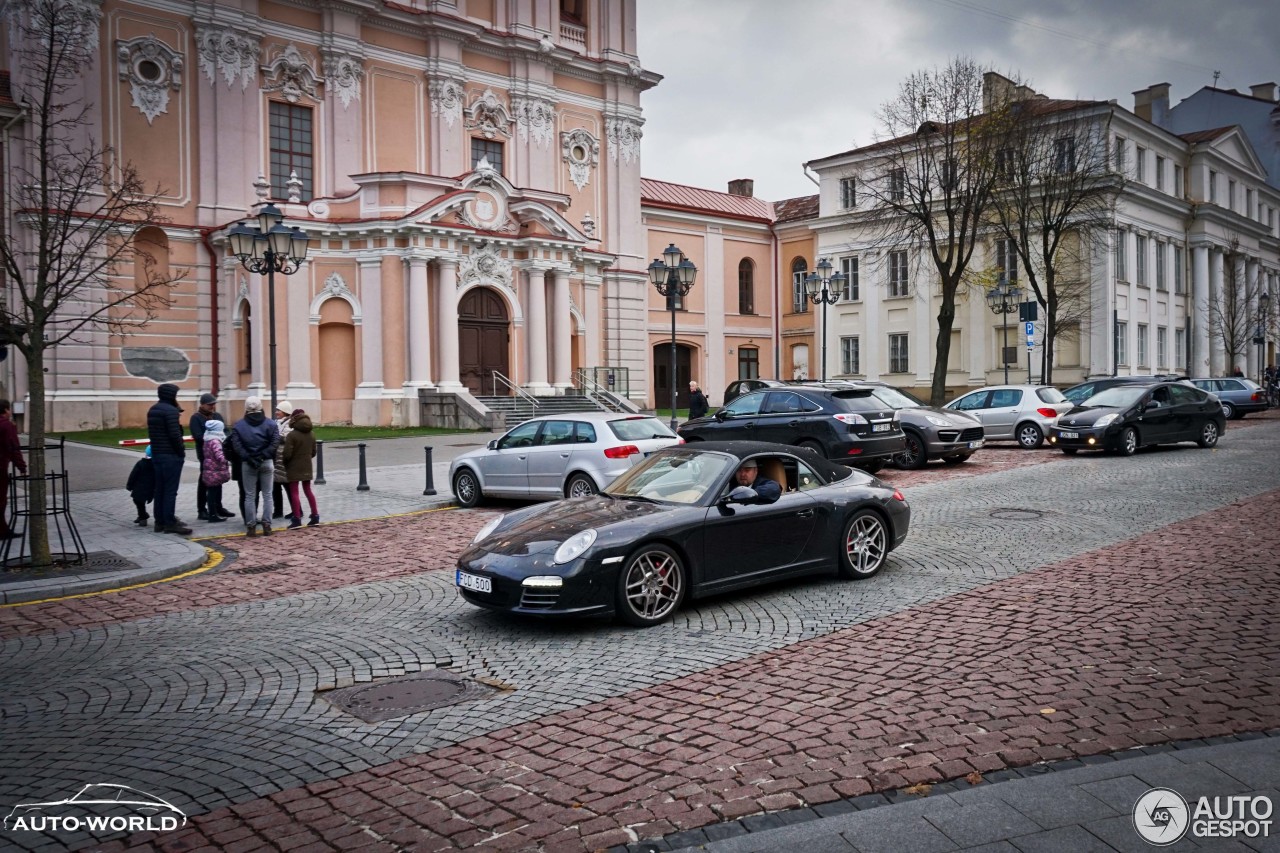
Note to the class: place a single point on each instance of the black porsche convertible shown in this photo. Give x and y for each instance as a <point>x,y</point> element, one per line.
<point>679,526</point>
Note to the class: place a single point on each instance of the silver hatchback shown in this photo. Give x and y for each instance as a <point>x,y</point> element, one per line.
<point>1021,413</point>
<point>554,456</point>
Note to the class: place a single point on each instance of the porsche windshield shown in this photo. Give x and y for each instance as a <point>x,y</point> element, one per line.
<point>675,476</point>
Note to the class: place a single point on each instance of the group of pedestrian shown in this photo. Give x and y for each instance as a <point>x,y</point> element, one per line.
<point>266,457</point>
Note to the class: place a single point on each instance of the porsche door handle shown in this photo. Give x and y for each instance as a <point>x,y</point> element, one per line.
<point>805,513</point>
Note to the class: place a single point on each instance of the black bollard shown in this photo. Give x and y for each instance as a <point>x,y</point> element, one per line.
<point>319,481</point>
<point>364,481</point>
<point>431,484</point>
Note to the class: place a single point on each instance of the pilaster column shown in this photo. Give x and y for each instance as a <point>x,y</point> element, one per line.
<point>562,332</point>
<point>419,326</point>
<point>1252,287</point>
<point>1198,366</point>
<point>1217,358</point>
<point>535,293</point>
<point>295,369</point>
<point>445,122</point>
<point>449,378</point>
<point>370,328</point>
<point>594,355</point>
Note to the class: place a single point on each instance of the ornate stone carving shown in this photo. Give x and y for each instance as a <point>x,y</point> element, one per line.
<point>581,151</point>
<point>535,117</point>
<point>294,187</point>
<point>589,225</point>
<point>336,285</point>
<point>243,291</point>
<point>229,53</point>
<point>624,136</point>
<point>485,265</point>
<point>489,116</point>
<point>446,99</point>
<point>292,74</point>
<point>262,187</point>
<point>342,76</point>
<point>152,69</point>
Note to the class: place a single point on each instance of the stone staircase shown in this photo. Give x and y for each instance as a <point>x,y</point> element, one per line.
<point>516,409</point>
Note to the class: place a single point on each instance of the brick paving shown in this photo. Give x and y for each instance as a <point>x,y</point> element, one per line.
<point>1164,637</point>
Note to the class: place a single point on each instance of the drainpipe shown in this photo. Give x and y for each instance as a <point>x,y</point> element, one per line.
<point>213,303</point>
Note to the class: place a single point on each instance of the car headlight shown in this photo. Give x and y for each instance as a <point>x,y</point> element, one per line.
<point>942,422</point>
<point>487,529</point>
<point>574,547</point>
<point>1106,420</point>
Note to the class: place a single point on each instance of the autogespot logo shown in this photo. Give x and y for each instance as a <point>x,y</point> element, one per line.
<point>98,809</point>
<point>1161,816</point>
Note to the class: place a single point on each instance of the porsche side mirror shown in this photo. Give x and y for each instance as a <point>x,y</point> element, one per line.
<point>742,495</point>
<point>493,445</point>
<point>720,415</point>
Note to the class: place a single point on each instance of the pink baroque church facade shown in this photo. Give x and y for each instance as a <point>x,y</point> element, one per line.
<point>467,171</point>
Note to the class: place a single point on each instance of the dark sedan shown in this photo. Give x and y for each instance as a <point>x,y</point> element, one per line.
<point>1125,417</point>
<point>677,527</point>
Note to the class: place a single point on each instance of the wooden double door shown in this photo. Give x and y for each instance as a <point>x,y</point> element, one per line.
<point>484,340</point>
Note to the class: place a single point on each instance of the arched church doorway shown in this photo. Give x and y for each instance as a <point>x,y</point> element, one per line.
<point>662,375</point>
<point>484,336</point>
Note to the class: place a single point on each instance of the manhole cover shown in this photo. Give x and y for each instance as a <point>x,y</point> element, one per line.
<point>411,694</point>
<point>258,570</point>
<point>1017,514</point>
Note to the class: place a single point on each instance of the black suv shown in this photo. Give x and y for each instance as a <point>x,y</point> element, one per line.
<point>849,425</point>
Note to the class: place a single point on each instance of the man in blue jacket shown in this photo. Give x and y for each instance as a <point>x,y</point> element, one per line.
<point>255,438</point>
<point>749,475</point>
<point>164,428</point>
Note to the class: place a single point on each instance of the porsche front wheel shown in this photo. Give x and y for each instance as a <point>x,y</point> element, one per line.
<point>651,586</point>
<point>864,545</point>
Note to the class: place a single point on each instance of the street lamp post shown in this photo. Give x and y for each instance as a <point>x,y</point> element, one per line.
<point>673,279</point>
<point>824,289</point>
<point>1003,299</point>
<point>269,248</point>
<point>1260,338</point>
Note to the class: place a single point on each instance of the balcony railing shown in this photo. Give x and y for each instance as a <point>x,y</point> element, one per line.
<point>573,35</point>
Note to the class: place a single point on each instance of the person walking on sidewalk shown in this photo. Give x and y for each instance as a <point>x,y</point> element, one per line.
<point>698,404</point>
<point>207,412</point>
<point>299,450</point>
<point>255,439</point>
<point>142,487</point>
<point>164,428</point>
<point>284,411</point>
<point>214,470</point>
<point>10,455</point>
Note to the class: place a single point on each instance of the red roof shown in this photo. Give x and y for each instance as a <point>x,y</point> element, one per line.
<point>796,209</point>
<point>1205,135</point>
<point>696,200</point>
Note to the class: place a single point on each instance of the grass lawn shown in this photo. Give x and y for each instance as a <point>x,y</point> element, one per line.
<point>113,437</point>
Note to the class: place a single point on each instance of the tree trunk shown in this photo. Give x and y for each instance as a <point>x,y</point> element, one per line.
<point>946,319</point>
<point>37,491</point>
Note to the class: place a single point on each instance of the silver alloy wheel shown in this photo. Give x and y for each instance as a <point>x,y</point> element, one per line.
<point>653,585</point>
<point>1029,436</point>
<point>1228,411</point>
<point>466,488</point>
<point>865,544</point>
<point>1130,441</point>
<point>1209,435</point>
<point>580,486</point>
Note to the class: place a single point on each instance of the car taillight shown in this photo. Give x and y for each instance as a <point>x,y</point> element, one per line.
<point>850,418</point>
<point>1047,412</point>
<point>1257,397</point>
<point>898,496</point>
<point>621,452</point>
<point>679,441</point>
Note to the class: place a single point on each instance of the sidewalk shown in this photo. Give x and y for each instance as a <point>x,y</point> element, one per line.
<point>1078,806</point>
<point>123,554</point>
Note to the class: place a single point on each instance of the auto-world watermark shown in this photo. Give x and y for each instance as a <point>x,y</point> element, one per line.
<point>1162,816</point>
<point>97,809</point>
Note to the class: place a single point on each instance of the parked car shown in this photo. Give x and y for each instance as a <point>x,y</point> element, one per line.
<point>839,421</point>
<point>1077,394</point>
<point>556,456</point>
<point>1021,413</point>
<point>929,432</point>
<point>1126,417</point>
<point>736,389</point>
<point>1237,396</point>
<point>678,527</point>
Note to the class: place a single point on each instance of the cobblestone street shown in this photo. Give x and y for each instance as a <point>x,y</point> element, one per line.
<point>1042,609</point>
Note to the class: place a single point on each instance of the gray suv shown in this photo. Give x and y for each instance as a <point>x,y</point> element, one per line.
<point>930,432</point>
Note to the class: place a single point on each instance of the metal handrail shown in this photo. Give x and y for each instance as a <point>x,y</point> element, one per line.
<point>599,393</point>
<point>520,392</point>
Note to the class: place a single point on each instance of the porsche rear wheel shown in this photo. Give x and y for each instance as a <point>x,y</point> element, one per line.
<point>913,454</point>
<point>864,545</point>
<point>651,586</point>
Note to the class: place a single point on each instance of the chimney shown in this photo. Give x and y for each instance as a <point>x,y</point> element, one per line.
<point>1152,104</point>
<point>743,187</point>
<point>1264,91</point>
<point>996,89</point>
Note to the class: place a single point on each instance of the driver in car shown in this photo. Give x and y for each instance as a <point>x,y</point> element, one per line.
<point>749,475</point>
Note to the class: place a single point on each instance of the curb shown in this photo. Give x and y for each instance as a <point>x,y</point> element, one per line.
<point>27,592</point>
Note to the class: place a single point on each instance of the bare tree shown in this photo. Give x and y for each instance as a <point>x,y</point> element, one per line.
<point>75,209</point>
<point>1054,203</point>
<point>934,154</point>
<point>1233,315</point>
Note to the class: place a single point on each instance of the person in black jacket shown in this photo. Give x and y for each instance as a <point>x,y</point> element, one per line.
<point>142,487</point>
<point>698,404</point>
<point>164,428</point>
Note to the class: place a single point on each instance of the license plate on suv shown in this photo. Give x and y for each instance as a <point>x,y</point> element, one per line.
<point>475,583</point>
<point>881,427</point>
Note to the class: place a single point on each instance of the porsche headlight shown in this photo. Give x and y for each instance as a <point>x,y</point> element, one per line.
<point>574,547</point>
<point>487,529</point>
<point>1106,420</point>
<point>942,422</point>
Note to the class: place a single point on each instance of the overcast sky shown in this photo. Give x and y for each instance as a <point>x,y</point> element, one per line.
<point>754,88</point>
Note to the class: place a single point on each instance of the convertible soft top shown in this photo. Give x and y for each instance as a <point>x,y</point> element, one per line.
<point>828,470</point>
